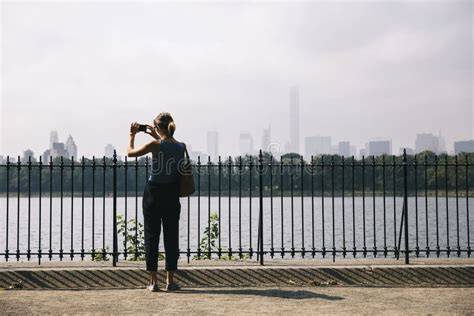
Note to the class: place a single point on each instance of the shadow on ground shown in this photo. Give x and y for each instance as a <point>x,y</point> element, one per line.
<point>297,294</point>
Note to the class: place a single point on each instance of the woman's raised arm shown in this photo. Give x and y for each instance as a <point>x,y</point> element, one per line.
<point>143,150</point>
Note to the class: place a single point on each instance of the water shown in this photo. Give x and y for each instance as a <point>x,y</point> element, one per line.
<point>305,227</point>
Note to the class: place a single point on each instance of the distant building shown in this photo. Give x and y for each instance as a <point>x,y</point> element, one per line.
<point>362,152</point>
<point>46,155</point>
<point>426,141</point>
<point>294,120</point>
<point>71,148</point>
<point>53,138</point>
<point>466,146</point>
<point>59,150</point>
<point>380,147</point>
<point>109,151</point>
<point>317,145</point>
<point>344,149</point>
<point>213,145</point>
<point>266,139</point>
<point>246,144</point>
<point>441,144</point>
<point>2,160</point>
<point>26,156</point>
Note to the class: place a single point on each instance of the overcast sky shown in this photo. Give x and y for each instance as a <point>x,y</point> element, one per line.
<point>364,70</point>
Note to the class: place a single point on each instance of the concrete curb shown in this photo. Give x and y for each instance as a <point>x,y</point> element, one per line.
<point>109,278</point>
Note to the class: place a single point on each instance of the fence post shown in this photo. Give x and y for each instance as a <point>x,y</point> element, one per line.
<point>405,204</point>
<point>114,221</point>
<point>260,221</point>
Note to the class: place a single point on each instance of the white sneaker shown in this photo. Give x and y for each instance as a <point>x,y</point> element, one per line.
<point>153,288</point>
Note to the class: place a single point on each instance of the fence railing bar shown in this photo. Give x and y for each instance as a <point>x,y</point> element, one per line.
<point>373,209</point>
<point>466,163</point>
<point>417,247</point>
<point>363,208</point>
<point>436,208</point>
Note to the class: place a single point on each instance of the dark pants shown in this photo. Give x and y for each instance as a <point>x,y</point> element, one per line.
<point>161,205</point>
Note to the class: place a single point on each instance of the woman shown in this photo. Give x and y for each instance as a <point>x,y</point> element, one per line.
<point>161,195</point>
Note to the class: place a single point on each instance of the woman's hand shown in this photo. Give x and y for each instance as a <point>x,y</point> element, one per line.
<point>134,128</point>
<point>152,132</point>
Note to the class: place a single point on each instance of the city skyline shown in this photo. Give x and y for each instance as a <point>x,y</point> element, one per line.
<point>366,77</point>
<point>313,146</point>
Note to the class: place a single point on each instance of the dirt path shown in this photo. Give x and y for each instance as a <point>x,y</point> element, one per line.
<point>277,301</point>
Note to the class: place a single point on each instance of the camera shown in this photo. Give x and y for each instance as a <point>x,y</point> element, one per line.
<point>142,128</point>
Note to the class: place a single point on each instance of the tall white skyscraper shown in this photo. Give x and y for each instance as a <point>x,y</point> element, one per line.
<point>213,145</point>
<point>53,138</point>
<point>266,139</point>
<point>246,144</point>
<point>294,120</point>
<point>71,147</point>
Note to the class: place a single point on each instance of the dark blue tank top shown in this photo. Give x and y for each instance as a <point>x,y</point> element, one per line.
<point>165,163</point>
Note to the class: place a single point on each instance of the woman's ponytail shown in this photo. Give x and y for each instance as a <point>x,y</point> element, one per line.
<point>171,128</point>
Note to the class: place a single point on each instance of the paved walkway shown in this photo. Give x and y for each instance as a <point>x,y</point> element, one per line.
<point>242,301</point>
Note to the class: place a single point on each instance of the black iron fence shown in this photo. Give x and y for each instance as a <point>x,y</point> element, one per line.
<point>244,207</point>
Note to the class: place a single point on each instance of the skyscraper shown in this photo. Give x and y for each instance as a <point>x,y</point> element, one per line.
<point>213,145</point>
<point>344,148</point>
<point>441,144</point>
<point>294,120</point>
<point>466,146</point>
<point>380,147</point>
<point>71,147</point>
<point>266,139</point>
<point>53,138</point>
<point>59,150</point>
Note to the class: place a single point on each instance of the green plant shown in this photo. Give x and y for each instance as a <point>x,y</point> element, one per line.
<point>100,254</point>
<point>209,238</point>
<point>133,237</point>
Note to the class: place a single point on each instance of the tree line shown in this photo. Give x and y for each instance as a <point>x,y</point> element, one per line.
<point>241,174</point>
